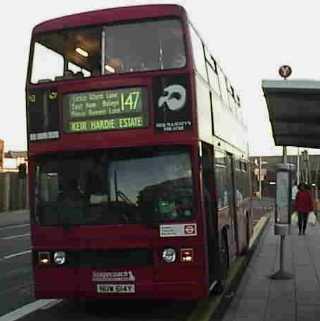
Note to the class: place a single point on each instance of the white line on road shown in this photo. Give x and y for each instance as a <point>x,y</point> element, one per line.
<point>51,304</point>
<point>16,254</point>
<point>13,226</point>
<point>27,309</point>
<point>15,236</point>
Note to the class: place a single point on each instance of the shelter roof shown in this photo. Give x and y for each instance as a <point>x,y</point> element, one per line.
<point>294,111</point>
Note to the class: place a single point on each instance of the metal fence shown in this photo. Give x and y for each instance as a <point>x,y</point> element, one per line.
<point>13,192</point>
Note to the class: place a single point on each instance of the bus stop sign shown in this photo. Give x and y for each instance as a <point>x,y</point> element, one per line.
<point>285,71</point>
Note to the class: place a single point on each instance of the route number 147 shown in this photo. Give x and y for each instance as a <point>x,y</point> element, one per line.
<point>130,101</point>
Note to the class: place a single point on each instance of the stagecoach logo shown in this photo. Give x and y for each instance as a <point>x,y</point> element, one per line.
<point>174,97</point>
<point>113,276</point>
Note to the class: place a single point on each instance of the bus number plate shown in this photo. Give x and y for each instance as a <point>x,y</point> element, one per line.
<point>116,288</point>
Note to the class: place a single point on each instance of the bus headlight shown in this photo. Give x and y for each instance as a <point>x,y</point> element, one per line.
<point>169,255</point>
<point>59,258</point>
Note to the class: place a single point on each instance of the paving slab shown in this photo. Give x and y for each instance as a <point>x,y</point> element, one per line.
<point>262,299</point>
<point>308,313</point>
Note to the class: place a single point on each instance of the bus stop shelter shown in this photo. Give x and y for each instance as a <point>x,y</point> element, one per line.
<point>294,111</point>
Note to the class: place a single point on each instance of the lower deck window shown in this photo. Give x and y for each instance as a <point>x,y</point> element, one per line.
<point>129,186</point>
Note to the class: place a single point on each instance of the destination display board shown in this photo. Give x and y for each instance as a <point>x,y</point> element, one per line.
<point>114,109</point>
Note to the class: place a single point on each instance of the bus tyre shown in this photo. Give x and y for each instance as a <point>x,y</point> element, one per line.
<point>248,229</point>
<point>224,265</point>
<point>224,256</point>
<point>219,287</point>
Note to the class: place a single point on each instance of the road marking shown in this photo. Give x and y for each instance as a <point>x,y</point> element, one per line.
<point>14,226</point>
<point>15,236</point>
<point>27,309</point>
<point>7,257</point>
<point>51,304</point>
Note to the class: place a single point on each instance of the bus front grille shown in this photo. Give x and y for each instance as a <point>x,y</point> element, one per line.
<point>109,258</point>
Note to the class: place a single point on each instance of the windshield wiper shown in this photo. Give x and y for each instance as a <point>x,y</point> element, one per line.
<point>123,197</point>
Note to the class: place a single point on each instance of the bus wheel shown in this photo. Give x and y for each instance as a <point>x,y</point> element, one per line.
<point>224,255</point>
<point>248,228</point>
<point>219,287</point>
<point>224,264</point>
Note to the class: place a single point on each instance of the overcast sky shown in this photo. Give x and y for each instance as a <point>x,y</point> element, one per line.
<point>250,38</point>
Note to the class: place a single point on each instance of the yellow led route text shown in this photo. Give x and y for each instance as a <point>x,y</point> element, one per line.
<point>106,124</point>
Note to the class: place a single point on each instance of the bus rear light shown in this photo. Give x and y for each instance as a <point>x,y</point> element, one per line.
<point>186,255</point>
<point>44,258</point>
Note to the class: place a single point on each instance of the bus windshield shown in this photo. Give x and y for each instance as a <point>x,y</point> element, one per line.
<point>132,186</point>
<point>107,50</point>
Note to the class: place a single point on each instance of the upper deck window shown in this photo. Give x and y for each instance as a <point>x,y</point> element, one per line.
<point>198,53</point>
<point>67,54</point>
<point>119,48</point>
<point>142,46</point>
<point>43,70</point>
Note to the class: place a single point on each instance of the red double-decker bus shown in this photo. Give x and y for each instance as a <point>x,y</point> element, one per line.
<point>139,183</point>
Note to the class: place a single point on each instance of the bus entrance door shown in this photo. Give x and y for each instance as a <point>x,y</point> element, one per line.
<point>233,231</point>
<point>211,219</point>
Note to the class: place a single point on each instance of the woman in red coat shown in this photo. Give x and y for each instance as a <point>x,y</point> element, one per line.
<point>303,205</point>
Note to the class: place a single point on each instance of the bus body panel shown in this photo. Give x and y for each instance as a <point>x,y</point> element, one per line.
<point>157,279</point>
<point>86,246</point>
<point>110,16</point>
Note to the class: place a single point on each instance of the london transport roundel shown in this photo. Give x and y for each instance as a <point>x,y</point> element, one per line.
<point>189,229</point>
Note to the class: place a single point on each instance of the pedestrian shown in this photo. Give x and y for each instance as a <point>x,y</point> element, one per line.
<point>303,205</point>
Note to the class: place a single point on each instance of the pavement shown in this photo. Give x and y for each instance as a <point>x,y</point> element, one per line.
<point>259,298</point>
<point>14,218</point>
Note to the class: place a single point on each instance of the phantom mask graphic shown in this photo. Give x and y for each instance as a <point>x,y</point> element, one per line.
<point>174,97</point>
